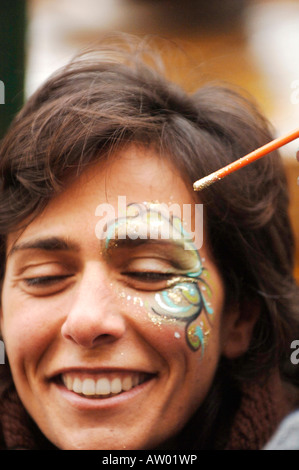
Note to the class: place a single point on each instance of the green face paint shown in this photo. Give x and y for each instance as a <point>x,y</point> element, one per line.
<point>185,297</point>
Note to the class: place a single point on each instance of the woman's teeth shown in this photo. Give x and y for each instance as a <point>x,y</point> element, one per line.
<point>103,386</point>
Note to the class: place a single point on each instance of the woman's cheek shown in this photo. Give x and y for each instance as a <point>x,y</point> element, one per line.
<point>184,305</point>
<point>29,326</point>
<point>177,315</point>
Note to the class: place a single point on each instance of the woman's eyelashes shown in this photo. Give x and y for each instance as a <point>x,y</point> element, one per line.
<point>47,284</point>
<point>149,274</point>
<point>147,280</point>
<point>45,280</point>
<point>148,271</point>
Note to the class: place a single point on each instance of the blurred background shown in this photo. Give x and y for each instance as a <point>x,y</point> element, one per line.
<point>253,44</point>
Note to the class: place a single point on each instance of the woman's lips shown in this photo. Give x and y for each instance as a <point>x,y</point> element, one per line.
<point>104,384</point>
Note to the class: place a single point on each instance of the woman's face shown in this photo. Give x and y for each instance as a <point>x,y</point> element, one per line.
<point>112,332</point>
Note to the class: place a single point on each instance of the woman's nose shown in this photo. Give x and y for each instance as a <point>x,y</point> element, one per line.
<point>93,317</point>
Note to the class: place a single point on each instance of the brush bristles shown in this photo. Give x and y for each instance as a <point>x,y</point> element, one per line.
<point>205,182</point>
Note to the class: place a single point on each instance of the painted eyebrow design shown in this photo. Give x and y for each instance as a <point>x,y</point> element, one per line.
<point>160,246</point>
<point>119,243</point>
<point>45,244</point>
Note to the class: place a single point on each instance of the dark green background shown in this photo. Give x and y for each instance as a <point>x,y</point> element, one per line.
<point>12,58</point>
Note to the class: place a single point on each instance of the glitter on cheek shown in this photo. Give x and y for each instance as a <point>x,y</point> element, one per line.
<point>127,299</point>
<point>183,304</point>
<point>180,306</point>
<point>138,301</point>
<point>159,320</point>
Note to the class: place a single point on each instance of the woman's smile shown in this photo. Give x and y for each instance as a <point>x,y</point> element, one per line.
<point>102,385</point>
<point>86,389</point>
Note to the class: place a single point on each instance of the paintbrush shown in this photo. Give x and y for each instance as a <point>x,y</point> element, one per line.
<point>243,161</point>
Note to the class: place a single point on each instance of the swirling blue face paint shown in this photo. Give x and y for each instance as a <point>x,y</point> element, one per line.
<point>185,299</point>
<point>185,294</point>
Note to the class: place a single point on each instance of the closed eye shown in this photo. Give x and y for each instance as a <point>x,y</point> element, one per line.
<point>45,280</point>
<point>149,276</point>
<point>45,286</point>
<point>148,280</point>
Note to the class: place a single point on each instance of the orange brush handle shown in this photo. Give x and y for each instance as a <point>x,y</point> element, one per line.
<point>241,162</point>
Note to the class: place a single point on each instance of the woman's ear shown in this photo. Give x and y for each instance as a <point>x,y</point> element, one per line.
<point>238,324</point>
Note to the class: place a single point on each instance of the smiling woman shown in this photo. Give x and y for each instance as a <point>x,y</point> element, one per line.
<point>129,332</point>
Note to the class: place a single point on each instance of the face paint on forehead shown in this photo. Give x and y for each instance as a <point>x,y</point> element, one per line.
<point>148,221</point>
<point>186,298</point>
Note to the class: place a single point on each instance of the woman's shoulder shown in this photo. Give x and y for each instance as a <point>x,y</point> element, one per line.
<point>263,406</point>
